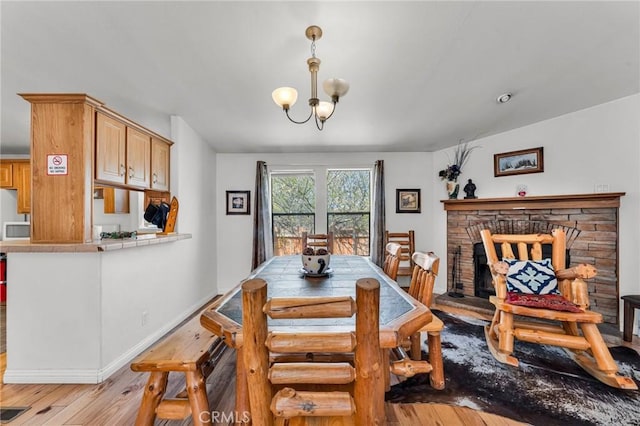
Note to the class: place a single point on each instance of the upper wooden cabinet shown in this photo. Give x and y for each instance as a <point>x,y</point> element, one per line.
<point>6,175</point>
<point>138,159</point>
<point>159,165</point>
<point>123,153</point>
<point>22,182</point>
<point>110,149</point>
<point>16,174</point>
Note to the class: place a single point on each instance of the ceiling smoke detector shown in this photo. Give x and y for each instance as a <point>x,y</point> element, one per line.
<point>504,98</point>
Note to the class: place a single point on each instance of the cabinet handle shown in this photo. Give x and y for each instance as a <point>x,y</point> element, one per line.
<point>131,173</point>
<point>122,169</point>
<point>155,178</point>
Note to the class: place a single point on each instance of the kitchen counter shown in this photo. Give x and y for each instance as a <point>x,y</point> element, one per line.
<point>25,246</point>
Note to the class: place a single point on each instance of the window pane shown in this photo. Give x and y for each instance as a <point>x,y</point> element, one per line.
<point>348,211</point>
<point>293,210</point>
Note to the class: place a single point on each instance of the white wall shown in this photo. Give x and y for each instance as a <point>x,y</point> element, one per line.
<point>598,145</point>
<point>237,172</point>
<point>193,183</point>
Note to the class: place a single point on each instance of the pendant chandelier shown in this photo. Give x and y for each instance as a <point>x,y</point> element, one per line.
<point>285,97</point>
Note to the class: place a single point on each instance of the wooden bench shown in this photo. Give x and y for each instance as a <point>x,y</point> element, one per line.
<point>191,350</point>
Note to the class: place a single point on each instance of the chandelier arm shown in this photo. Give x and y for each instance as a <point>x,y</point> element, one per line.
<point>298,122</point>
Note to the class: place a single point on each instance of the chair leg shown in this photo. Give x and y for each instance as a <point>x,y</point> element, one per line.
<point>495,334</point>
<point>153,393</point>
<point>435,359</point>
<point>505,332</point>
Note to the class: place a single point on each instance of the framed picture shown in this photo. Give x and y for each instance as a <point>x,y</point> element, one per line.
<point>518,162</point>
<point>238,202</point>
<point>407,201</point>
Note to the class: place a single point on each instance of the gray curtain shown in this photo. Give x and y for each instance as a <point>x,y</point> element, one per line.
<point>262,238</point>
<point>377,230</point>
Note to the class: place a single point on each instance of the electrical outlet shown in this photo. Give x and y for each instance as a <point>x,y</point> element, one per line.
<point>601,187</point>
<point>145,317</point>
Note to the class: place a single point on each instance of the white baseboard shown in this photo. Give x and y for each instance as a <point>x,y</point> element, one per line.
<point>95,376</point>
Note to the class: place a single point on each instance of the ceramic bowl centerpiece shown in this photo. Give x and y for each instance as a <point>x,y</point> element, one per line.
<point>315,262</point>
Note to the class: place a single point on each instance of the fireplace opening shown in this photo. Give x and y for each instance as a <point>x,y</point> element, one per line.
<point>482,281</point>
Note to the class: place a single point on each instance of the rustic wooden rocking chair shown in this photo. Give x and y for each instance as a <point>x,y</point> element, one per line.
<point>576,329</point>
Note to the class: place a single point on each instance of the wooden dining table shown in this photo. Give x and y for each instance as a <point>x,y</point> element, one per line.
<point>400,314</point>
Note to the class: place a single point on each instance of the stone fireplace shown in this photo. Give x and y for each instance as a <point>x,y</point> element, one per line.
<point>594,215</point>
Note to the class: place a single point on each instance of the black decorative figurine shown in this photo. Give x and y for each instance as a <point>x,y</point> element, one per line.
<point>470,190</point>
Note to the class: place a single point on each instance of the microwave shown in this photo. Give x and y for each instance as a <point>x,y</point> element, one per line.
<point>16,231</point>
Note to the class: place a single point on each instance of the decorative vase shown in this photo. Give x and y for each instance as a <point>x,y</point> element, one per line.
<point>453,188</point>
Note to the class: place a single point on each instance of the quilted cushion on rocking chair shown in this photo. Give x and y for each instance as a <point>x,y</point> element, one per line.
<point>531,277</point>
<point>547,301</point>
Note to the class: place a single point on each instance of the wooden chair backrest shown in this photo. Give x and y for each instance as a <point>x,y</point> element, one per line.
<point>424,276</point>
<point>317,241</point>
<point>364,380</point>
<point>392,260</point>
<point>407,242</point>
<point>526,246</point>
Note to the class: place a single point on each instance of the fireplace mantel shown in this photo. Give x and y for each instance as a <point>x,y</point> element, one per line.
<point>595,200</point>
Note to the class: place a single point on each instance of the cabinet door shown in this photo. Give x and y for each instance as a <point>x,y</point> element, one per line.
<point>159,165</point>
<point>110,149</point>
<point>22,182</point>
<point>6,175</point>
<point>138,158</point>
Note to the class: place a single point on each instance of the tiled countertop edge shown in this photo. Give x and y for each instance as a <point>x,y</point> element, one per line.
<point>97,246</point>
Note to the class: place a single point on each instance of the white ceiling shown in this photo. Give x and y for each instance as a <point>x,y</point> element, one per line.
<point>423,74</point>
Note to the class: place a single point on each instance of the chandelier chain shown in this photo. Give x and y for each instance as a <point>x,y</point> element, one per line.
<point>313,48</point>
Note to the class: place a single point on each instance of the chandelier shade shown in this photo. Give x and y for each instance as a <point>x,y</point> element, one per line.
<point>321,111</point>
<point>285,97</point>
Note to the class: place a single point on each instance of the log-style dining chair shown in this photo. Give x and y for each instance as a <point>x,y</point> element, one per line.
<point>407,242</point>
<point>392,260</point>
<point>317,241</point>
<point>421,288</point>
<point>554,297</point>
<point>318,389</point>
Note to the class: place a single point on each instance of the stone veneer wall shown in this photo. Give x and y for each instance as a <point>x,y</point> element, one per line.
<point>597,244</point>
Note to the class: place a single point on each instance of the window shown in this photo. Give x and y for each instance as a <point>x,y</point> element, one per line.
<point>348,210</point>
<point>293,210</point>
<point>321,200</point>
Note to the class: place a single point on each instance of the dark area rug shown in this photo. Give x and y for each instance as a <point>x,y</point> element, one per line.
<point>547,389</point>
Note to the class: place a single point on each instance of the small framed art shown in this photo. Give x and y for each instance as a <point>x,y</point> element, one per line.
<point>238,202</point>
<point>518,162</point>
<point>407,201</point>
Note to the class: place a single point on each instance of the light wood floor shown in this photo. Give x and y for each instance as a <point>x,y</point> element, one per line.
<point>115,401</point>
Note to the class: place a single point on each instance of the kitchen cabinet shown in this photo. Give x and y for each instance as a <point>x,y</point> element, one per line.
<point>22,182</point>
<point>159,165</point>
<point>138,158</point>
<point>6,175</point>
<point>110,149</point>
<point>16,174</point>
<point>123,153</point>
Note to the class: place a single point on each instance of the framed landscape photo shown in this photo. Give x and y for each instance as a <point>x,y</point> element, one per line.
<point>407,201</point>
<point>238,202</point>
<point>518,162</point>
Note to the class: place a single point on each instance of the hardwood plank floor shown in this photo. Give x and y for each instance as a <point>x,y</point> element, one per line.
<point>116,401</point>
